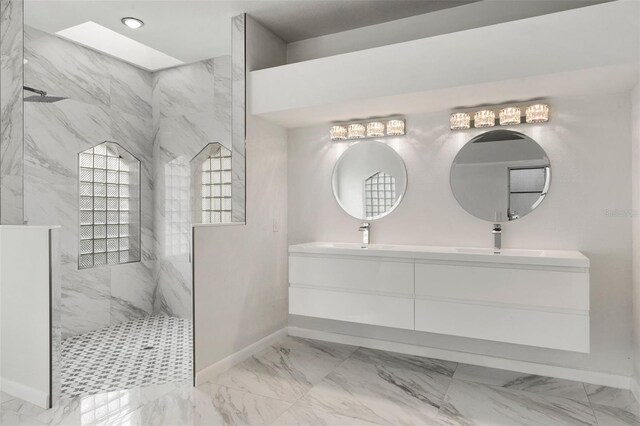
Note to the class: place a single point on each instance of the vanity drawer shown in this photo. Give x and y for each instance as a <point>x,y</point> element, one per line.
<point>387,311</point>
<point>547,288</point>
<point>386,277</point>
<point>504,324</point>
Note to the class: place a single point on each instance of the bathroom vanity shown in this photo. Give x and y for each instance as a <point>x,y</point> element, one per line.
<point>529,297</point>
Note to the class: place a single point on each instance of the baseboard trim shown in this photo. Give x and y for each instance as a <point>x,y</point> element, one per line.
<point>210,372</point>
<point>26,393</point>
<point>594,377</point>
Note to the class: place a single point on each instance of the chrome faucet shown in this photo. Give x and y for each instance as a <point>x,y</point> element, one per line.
<point>364,228</point>
<point>497,238</point>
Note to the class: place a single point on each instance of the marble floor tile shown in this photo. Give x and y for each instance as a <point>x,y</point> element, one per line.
<point>613,406</point>
<point>469,403</point>
<point>21,408</point>
<point>208,404</point>
<point>613,416</point>
<point>372,392</point>
<point>284,375</point>
<point>409,362</point>
<point>304,413</point>
<point>102,408</point>
<point>613,397</point>
<point>306,382</point>
<point>4,397</point>
<point>335,350</point>
<point>522,381</point>
<point>243,408</point>
<point>10,418</point>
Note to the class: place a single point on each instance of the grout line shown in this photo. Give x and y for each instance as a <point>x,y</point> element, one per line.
<point>584,386</point>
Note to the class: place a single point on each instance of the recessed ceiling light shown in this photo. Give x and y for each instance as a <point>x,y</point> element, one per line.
<point>133,23</point>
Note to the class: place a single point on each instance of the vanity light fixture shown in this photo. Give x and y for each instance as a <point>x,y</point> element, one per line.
<point>484,118</point>
<point>506,116</point>
<point>338,133</point>
<point>133,23</point>
<point>378,128</point>
<point>538,113</point>
<point>375,129</point>
<point>395,127</point>
<point>510,115</point>
<point>356,131</point>
<point>460,120</point>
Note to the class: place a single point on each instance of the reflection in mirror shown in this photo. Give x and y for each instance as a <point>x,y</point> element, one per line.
<point>500,176</point>
<point>369,180</point>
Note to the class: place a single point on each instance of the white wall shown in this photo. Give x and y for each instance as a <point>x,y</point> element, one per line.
<point>588,144</point>
<point>25,303</point>
<point>408,78</point>
<point>459,18</point>
<point>240,271</point>
<point>635,215</point>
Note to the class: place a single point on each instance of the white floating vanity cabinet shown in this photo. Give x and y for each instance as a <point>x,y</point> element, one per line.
<point>529,297</point>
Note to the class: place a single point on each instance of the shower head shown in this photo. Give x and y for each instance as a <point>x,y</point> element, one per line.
<point>41,96</point>
<point>43,99</point>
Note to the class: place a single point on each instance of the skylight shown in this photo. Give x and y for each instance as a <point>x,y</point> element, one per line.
<point>102,39</point>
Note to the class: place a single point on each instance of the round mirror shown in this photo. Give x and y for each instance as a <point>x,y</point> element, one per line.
<point>500,176</point>
<point>369,180</point>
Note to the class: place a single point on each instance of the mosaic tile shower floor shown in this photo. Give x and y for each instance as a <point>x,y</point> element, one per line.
<point>142,352</point>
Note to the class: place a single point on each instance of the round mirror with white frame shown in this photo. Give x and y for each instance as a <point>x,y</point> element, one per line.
<point>369,180</point>
<point>500,176</point>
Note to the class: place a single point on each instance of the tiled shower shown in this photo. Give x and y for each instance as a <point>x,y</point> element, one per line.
<point>113,164</point>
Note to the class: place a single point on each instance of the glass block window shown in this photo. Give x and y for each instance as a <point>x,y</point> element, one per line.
<point>213,167</point>
<point>379,194</point>
<point>109,206</point>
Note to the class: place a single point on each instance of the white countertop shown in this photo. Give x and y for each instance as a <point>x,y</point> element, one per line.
<point>566,258</point>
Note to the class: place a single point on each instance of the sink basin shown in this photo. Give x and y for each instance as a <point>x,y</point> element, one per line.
<point>569,258</point>
<point>503,252</point>
<point>355,246</point>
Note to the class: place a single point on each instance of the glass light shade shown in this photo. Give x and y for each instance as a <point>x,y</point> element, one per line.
<point>395,127</point>
<point>538,113</point>
<point>484,118</point>
<point>460,120</point>
<point>356,131</point>
<point>375,129</point>
<point>509,115</point>
<point>338,133</point>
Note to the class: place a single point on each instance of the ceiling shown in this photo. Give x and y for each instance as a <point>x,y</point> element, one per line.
<point>193,30</point>
<point>303,19</point>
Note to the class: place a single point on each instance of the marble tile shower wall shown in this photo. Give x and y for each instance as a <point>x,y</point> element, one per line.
<point>108,101</point>
<point>11,129</point>
<point>191,108</point>
<point>164,119</point>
